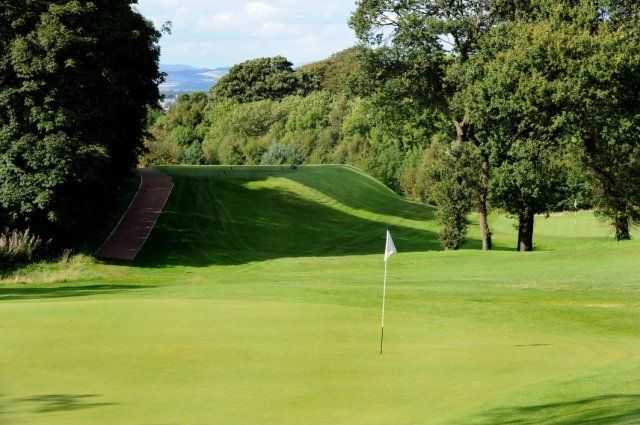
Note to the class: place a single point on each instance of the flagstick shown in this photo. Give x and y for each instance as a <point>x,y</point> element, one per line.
<point>384,296</point>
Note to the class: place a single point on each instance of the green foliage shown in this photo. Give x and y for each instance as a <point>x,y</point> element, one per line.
<point>237,133</point>
<point>309,113</point>
<point>153,115</point>
<point>161,151</point>
<point>564,82</point>
<point>330,125</point>
<point>337,72</point>
<point>76,81</point>
<point>603,74</point>
<point>421,55</point>
<point>279,154</point>
<point>175,136</point>
<point>192,154</point>
<point>452,184</point>
<point>530,178</point>
<point>262,79</point>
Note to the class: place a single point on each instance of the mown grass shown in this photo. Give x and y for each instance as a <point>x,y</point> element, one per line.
<point>257,301</point>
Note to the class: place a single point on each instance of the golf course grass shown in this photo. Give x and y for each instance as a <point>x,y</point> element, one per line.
<point>257,300</point>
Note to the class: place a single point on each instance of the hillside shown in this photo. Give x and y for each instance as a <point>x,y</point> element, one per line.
<point>227,215</point>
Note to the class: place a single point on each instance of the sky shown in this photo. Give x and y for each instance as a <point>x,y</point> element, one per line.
<point>220,33</point>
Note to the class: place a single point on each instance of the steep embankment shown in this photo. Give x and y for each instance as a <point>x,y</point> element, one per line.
<point>231,215</point>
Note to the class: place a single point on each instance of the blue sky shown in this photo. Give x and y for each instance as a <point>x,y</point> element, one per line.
<point>215,33</point>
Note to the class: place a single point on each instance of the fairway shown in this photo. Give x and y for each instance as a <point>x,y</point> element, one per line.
<point>257,300</point>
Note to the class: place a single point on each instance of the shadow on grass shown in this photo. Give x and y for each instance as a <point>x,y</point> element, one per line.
<point>345,184</point>
<point>50,403</point>
<point>210,221</point>
<point>29,293</point>
<point>610,409</point>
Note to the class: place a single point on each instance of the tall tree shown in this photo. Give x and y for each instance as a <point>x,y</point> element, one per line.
<point>430,43</point>
<point>76,78</point>
<point>605,75</point>
<point>564,81</point>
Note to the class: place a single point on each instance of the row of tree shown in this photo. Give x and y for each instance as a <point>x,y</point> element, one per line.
<point>527,84</point>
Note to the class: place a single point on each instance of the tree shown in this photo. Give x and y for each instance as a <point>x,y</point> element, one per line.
<point>561,82</point>
<point>425,47</point>
<point>76,78</point>
<point>509,100</point>
<point>263,79</point>
<point>453,186</point>
<point>334,73</point>
<point>604,72</point>
<point>528,181</point>
<point>176,136</point>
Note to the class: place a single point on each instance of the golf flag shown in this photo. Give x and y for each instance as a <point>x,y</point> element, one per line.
<point>390,248</point>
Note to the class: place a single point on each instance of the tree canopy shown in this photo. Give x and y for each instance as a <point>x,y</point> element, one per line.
<point>76,78</point>
<point>261,79</point>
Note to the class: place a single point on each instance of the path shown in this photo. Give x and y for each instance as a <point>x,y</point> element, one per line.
<point>133,230</point>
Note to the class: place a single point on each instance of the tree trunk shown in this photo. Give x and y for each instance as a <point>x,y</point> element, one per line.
<point>483,210</point>
<point>622,229</point>
<point>462,136</point>
<point>525,231</point>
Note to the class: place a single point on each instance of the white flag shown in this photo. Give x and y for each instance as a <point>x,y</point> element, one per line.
<point>390,248</point>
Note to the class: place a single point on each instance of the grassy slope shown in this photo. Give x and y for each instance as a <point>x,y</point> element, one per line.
<point>257,298</point>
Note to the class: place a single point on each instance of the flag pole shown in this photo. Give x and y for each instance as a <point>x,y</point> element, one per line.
<point>384,296</point>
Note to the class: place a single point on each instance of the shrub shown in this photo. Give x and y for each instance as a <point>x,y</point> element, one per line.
<point>18,246</point>
<point>410,181</point>
<point>193,155</point>
<point>161,152</point>
<point>279,154</point>
<point>452,184</point>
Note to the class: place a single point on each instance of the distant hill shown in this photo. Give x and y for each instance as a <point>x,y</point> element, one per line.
<point>188,79</point>
<point>333,74</point>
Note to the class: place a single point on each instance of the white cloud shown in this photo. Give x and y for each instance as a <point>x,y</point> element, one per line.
<point>258,9</point>
<point>219,22</point>
<point>223,32</point>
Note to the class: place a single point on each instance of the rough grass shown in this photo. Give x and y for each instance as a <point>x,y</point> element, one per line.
<point>68,269</point>
<point>257,301</point>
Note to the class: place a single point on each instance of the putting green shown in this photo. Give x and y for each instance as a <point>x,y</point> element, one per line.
<point>257,301</point>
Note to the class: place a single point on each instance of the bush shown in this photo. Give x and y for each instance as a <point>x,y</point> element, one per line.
<point>452,184</point>
<point>279,154</point>
<point>161,152</point>
<point>193,155</point>
<point>18,246</point>
<point>410,182</point>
